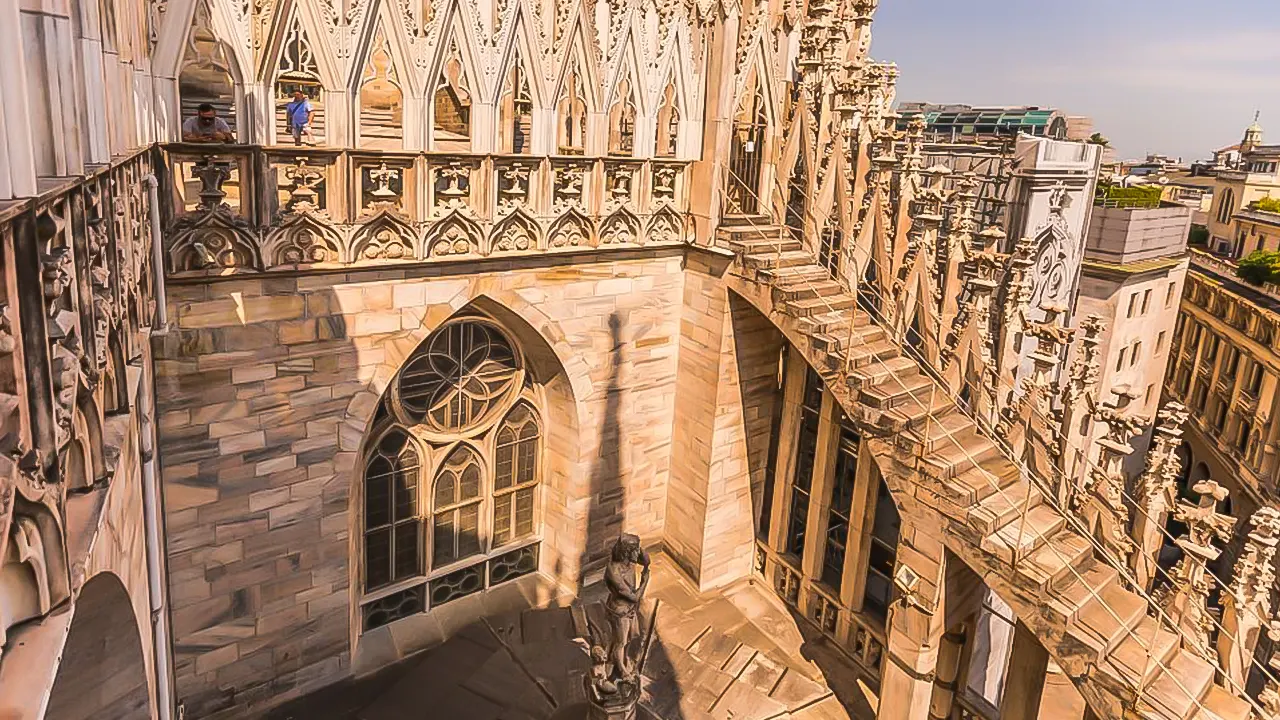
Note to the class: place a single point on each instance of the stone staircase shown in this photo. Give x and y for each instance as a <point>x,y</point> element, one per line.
<point>1100,633</point>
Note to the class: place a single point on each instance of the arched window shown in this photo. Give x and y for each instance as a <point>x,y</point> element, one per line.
<point>391,526</point>
<point>516,112</point>
<point>381,100</point>
<point>746,151</point>
<point>455,508</point>
<point>1227,206</point>
<point>668,125</point>
<point>515,476</point>
<point>451,106</point>
<point>622,121</point>
<point>206,75</point>
<point>451,474</point>
<point>571,116</point>
<point>298,72</point>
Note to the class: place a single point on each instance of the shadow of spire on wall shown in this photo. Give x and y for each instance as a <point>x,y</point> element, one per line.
<point>605,490</point>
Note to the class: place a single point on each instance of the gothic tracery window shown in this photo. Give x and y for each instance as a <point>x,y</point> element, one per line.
<point>451,106</point>
<point>298,71</point>
<point>622,121</point>
<point>516,112</point>
<point>668,126</point>
<point>381,100</point>
<point>451,474</point>
<point>391,506</point>
<point>571,116</point>
<point>206,74</point>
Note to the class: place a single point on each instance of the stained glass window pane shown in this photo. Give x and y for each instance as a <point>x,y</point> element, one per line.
<point>443,539</point>
<point>528,453</point>
<point>407,550</point>
<point>524,512</point>
<point>456,375</point>
<point>503,472</point>
<point>446,489</point>
<point>406,492</point>
<point>377,558</point>
<point>502,520</point>
<point>377,500</point>
<point>469,530</point>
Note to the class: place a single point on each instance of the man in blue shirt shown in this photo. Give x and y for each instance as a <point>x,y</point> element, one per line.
<point>298,114</point>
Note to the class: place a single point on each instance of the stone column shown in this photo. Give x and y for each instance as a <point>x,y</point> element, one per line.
<point>947,681</point>
<point>824,466</point>
<point>17,153</point>
<point>785,462</point>
<point>1024,684</point>
<point>709,525</point>
<point>915,627</point>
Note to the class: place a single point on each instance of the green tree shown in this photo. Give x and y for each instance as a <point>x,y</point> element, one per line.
<point>1098,139</point>
<point>1260,266</point>
<point>1268,204</point>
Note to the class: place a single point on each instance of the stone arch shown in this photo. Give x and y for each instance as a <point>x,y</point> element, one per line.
<point>515,233</point>
<point>209,68</point>
<point>383,85</point>
<point>563,383</point>
<point>302,241</point>
<point>454,82</point>
<point>385,236</point>
<point>666,226</point>
<point>88,433</point>
<point>620,228</point>
<point>570,230</point>
<point>453,235</point>
<point>214,242</point>
<point>103,669</point>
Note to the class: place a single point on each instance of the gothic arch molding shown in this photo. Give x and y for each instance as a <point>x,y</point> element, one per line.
<point>562,385</point>
<point>103,671</point>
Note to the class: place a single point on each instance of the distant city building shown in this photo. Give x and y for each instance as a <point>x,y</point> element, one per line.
<point>1135,261</point>
<point>955,123</point>
<point>1236,190</point>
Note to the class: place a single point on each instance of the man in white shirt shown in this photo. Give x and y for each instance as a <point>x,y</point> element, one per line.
<point>206,127</point>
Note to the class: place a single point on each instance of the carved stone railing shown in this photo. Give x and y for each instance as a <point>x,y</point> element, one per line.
<point>858,635</point>
<point>237,208</point>
<point>75,288</point>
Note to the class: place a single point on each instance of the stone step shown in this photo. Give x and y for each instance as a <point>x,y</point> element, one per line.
<point>1058,562</point>
<point>863,354</point>
<point>1105,620</point>
<point>765,245</point>
<point>898,389</point>
<point>1178,686</point>
<point>1139,657</point>
<point>798,274</point>
<point>944,430</point>
<point>966,452</point>
<point>1003,505</point>
<point>818,305</point>
<point>1023,535</point>
<point>839,323</point>
<point>793,258</point>
<point>806,289</point>
<point>885,371</point>
<point>1219,704</point>
<point>914,416</point>
<point>1075,591</point>
<point>976,484</point>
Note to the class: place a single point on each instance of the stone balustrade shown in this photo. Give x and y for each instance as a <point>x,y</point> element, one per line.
<point>240,208</point>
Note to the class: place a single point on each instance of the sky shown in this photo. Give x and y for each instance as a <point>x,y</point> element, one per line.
<point>1177,77</point>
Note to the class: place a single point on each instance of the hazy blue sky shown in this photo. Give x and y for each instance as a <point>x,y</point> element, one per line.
<point>1172,76</point>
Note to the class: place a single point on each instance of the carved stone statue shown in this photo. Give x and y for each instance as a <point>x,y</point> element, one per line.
<point>624,600</point>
